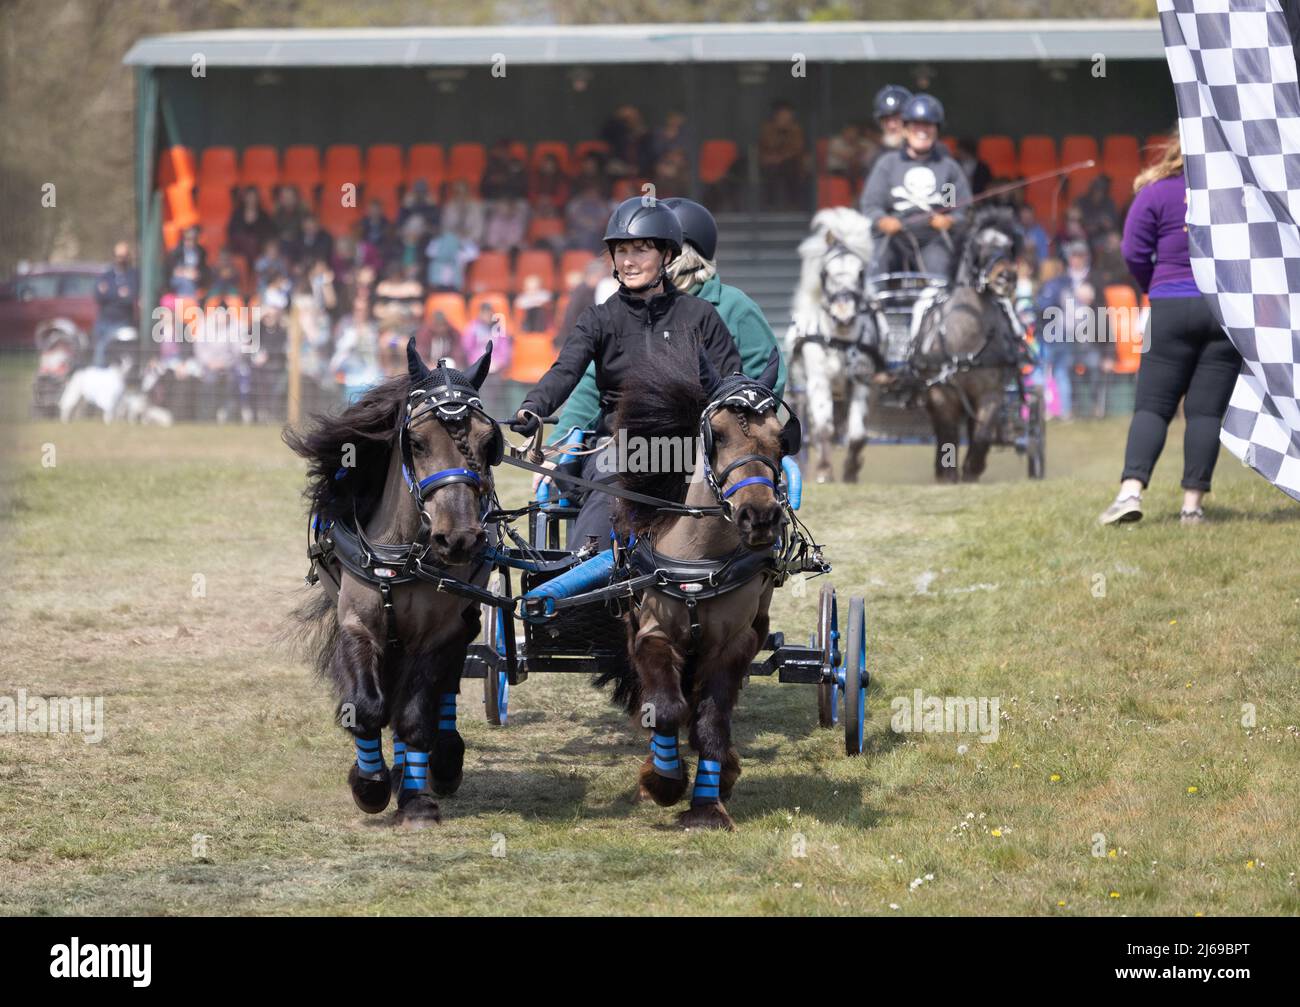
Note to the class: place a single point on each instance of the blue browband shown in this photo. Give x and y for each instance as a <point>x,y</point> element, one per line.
<point>442,478</point>
<point>750,481</point>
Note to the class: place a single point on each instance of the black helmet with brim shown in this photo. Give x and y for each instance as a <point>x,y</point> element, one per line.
<point>698,226</point>
<point>644,217</point>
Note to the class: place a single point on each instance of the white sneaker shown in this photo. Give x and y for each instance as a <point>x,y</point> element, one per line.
<point>1124,510</point>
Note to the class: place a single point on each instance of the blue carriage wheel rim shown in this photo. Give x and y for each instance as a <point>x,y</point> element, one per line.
<point>503,694</point>
<point>835,703</point>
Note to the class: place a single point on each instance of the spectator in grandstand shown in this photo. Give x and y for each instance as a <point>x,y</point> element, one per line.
<point>670,140</point>
<point>1058,309</point>
<point>416,202</point>
<point>584,219</point>
<point>507,224</point>
<point>1109,268</point>
<point>438,338</point>
<point>355,364</point>
<point>399,298</point>
<point>1071,231</point>
<point>504,176</point>
<point>288,216</point>
<point>448,256</point>
<point>1035,237</point>
<point>473,343</point>
<point>226,284</point>
<point>268,366</point>
<point>582,295</point>
<point>844,152</point>
<point>463,214</point>
<point>979,174</point>
<point>631,145</point>
<point>187,266</point>
<point>410,250</point>
<point>781,151</point>
<point>116,293</point>
<point>249,227</point>
<point>534,305</point>
<point>1097,210</point>
<point>672,174</point>
<point>591,173</point>
<point>223,368</point>
<point>271,263</point>
<point>549,188</point>
<point>313,244</point>
<point>376,231</point>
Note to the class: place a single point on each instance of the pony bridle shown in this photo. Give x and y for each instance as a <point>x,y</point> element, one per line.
<point>992,248</point>
<point>852,295</point>
<point>752,397</point>
<point>448,404</point>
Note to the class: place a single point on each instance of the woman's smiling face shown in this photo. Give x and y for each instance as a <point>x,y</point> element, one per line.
<point>638,261</point>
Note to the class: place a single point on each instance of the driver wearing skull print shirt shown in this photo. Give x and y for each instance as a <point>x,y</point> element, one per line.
<point>911,187</point>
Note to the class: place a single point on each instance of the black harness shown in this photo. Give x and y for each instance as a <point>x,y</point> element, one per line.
<point>449,397</point>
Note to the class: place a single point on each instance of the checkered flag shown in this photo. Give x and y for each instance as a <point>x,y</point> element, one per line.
<point>1234,74</point>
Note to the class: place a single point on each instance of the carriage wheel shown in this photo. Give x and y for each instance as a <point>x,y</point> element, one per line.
<point>827,640</point>
<point>855,678</point>
<point>496,690</point>
<point>1036,437</point>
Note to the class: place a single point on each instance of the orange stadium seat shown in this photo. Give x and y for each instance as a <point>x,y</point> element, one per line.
<point>466,163</point>
<point>999,153</point>
<point>561,306</point>
<point>1123,329</point>
<point>343,163</point>
<point>833,190</point>
<point>716,159</point>
<point>581,149</point>
<point>171,235</point>
<point>176,164</point>
<point>545,228</point>
<point>500,306</point>
<point>490,271</point>
<point>260,167</point>
<point>574,261</point>
<point>215,204</point>
<point>218,168</point>
<point>212,238</point>
<point>536,262</point>
<point>386,193</point>
<point>1037,155</point>
<point>822,144</point>
<point>384,165</point>
<point>556,147</point>
<point>531,356</point>
<point>519,151</point>
<point>336,218</point>
<point>1121,160</point>
<point>301,167</point>
<point>452,307</point>
<point>426,161</point>
<point>1073,150</point>
<point>1045,199</point>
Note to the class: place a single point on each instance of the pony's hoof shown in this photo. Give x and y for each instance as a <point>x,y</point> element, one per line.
<point>447,763</point>
<point>371,791</point>
<point>419,812</point>
<point>663,790</point>
<point>706,816</point>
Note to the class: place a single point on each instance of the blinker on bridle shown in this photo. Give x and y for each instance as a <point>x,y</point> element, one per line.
<point>750,396</point>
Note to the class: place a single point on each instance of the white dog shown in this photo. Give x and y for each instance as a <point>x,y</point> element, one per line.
<point>102,387</point>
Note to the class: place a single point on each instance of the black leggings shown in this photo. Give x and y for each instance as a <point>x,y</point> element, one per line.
<point>1188,355</point>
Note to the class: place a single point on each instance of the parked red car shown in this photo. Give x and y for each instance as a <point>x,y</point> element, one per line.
<point>45,292</point>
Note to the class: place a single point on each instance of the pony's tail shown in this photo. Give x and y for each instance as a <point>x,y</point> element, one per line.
<point>313,628</point>
<point>626,690</point>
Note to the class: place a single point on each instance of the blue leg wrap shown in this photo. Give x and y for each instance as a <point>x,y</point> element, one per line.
<point>447,712</point>
<point>415,775</point>
<point>370,757</point>
<point>707,780</point>
<point>663,749</point>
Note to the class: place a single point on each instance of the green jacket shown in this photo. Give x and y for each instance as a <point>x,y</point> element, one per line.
<point>743,319</point>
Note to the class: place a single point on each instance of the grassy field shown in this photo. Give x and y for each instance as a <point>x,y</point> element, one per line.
<point>1122,661</point>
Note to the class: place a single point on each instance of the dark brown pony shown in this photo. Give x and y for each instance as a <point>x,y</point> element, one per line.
<point>675,680</point>
<point>399,669</point>
<point>965,348</point>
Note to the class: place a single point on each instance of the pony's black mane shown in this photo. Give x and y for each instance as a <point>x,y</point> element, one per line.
<point>1000,218</point>
<point>663,398</point>
<point>369,425</point>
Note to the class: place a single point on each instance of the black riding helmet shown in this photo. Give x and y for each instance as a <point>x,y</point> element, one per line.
<point>647,218</point>
<point>923,108</point>
<point>890,100</point>
<point>698,226</point>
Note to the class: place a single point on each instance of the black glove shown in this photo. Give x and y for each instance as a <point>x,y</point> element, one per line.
<point>525,423</point>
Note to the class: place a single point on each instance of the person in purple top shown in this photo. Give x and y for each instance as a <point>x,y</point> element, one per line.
<point>1187,355</point>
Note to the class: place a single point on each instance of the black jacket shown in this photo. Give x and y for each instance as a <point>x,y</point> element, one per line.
<point>618,333</point>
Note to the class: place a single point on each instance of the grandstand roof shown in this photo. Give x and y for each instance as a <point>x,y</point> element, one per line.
<point>836,41</point>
